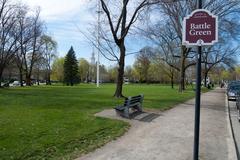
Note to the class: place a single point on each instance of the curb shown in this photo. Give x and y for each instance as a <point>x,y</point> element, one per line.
<point>232,146</point>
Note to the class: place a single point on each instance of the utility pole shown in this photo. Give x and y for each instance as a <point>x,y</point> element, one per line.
<point>98,40</point>
<point>198,99</point>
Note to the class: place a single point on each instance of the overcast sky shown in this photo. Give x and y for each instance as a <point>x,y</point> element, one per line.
<point>62,17</point>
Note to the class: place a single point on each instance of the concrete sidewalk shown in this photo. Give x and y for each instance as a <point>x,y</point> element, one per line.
<point>170,136</point>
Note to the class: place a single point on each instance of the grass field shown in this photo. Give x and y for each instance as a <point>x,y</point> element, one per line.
<point>58,122</point>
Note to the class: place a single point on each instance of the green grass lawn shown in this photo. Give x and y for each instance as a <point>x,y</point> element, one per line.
<point>58,122</point>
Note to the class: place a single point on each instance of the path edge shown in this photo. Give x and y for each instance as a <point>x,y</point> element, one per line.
<point>231,142</point>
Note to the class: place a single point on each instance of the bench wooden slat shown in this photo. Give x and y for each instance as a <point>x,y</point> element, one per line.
<point>120,108</point>
<point>134,102</point>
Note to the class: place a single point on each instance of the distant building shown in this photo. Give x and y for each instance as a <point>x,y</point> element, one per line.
<point>93,60</point>
<point>92,69</point>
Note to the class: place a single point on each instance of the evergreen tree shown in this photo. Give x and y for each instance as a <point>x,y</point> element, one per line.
<point>71,75</point>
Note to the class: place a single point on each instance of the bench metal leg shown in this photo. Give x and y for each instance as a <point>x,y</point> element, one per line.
<point>126,113</point>
<point>138,108</point>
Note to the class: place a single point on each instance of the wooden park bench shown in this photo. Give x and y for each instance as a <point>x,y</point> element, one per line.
<point>130,104</point>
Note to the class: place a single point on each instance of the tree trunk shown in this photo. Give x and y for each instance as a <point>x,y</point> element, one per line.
<point>205,79</point>
<point>38,83</point>
<point>172,82</point>
<point>1,72</point>
<point>48,78</point>
<point>182,70</point>
<point>21,77</point>
<point>118,92</point>
<point>205,75</point>
<point>28,72</point>
<point>182,76</point>
<point>28,80</point>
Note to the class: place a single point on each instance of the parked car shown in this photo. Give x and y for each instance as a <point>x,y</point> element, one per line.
<point>238,105</point>
<point>232,91</point>
<point>238,115</point>
<point>15,84</point>
<point>5,85</point>
<point>232,83</point>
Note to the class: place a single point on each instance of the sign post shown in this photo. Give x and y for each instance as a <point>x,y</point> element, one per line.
<point>199,28</point>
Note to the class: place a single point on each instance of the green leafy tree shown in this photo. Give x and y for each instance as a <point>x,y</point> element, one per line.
<point>226,75</point>
<point>71,74</point>
<point>84,68</point>
<point>142,65</point>
<point>49,49</point>
<point>58,69</point>
<point>112,73</point>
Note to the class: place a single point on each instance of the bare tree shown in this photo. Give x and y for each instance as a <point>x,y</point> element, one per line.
<point>167,48</point>
<point>34,47</point>
<point>213,56</point>
<point>120,18</point>
<point>174,13</point>
<point>8,36</point>
<point>24,31</point>
<point>33,53</point>
<point>39,70</point>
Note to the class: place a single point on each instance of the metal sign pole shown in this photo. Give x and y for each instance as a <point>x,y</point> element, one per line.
<point>98,41</point>
<point>197,100</point>
<point>200,28</point>
<point>197,105</point>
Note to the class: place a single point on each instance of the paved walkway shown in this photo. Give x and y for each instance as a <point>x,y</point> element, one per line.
<point>170,136</point>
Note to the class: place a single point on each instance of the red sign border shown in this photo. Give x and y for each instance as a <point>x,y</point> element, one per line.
<point>187,43</point>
